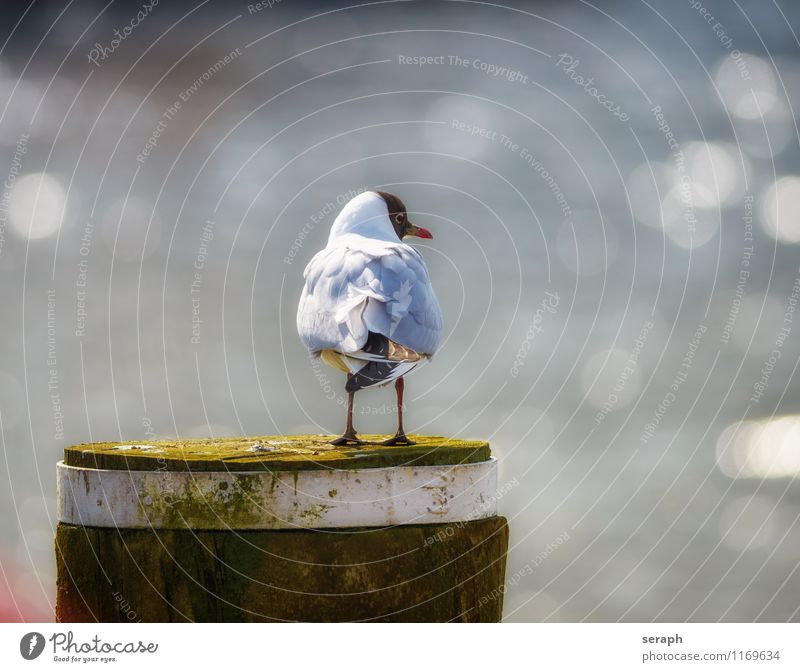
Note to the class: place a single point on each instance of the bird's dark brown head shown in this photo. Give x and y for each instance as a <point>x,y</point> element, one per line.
<point>399,218</point>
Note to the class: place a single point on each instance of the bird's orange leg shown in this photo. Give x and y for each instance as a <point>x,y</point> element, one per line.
<point>349,437</point>
<point>399,439</point>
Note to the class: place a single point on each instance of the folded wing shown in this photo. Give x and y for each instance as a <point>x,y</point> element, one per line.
<point>383,289</point>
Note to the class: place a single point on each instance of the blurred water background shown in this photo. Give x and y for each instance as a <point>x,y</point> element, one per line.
<point>614,191</point>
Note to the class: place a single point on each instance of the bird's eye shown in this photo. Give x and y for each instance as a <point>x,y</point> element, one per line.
<point>398,219</point>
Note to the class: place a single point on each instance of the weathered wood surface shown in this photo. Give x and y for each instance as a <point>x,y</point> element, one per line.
<point>272,453</point>
<point>424,573</point>
<point>188,568</point>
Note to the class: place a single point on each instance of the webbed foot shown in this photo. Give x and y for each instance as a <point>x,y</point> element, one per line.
<point>398,440</point>
<point>347,440</point>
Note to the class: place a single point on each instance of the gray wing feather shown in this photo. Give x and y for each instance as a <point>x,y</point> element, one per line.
<point>349,292</point>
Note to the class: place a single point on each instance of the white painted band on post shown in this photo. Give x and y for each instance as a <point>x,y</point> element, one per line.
<point>220,500</point>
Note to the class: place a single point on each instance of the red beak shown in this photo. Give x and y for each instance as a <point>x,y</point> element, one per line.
<point>419,232</point>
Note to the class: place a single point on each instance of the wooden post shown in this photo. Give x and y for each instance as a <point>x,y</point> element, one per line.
<point>279,529</point>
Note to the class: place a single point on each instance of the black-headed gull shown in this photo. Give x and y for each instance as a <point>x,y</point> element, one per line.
<point>368,307</point>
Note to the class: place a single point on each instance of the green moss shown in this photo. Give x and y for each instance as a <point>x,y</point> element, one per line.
<point>272,453</point>
<point>190,507</point>
<point>314,513</point>
<point>427,573</point>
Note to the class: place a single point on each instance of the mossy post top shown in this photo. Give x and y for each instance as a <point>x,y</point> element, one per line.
<point>272,453</point>
<point>270,482</point>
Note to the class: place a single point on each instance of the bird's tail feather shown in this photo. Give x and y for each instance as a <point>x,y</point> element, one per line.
<point>380,361</point>
<point>377,373</point>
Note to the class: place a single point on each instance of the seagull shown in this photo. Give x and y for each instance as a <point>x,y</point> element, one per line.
<point>368,308</point>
